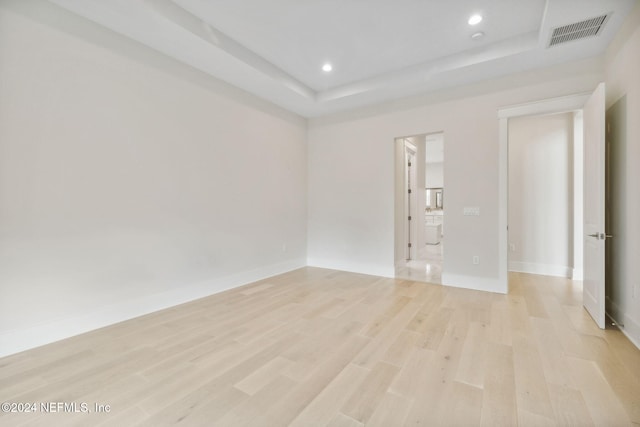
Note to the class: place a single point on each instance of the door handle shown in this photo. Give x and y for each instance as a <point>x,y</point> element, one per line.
<point>600,236</point>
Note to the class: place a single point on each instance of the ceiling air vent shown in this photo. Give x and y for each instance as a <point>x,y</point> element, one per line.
<point>579,30</point>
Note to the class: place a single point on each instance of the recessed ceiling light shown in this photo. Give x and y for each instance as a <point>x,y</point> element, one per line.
<point>477,36</point>
<point>475,19</point>
<point>327,67</point>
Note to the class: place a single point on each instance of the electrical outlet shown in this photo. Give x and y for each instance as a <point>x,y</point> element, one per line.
<point>512,247</point>
<point>476,260</point>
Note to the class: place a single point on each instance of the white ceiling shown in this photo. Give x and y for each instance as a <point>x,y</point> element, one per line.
<point>379,49</point>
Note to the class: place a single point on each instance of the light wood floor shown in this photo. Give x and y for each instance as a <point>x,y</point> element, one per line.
<point>323,348</point>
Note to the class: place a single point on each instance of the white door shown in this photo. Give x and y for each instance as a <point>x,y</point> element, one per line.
<point>593,296</point>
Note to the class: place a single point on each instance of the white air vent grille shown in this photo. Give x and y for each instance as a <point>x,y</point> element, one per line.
<point>579,30</point>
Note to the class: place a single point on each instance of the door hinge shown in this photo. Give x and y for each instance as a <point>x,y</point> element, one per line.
<point>409,217</point>
<point>409,245</point>
<point>409,164</point>
<point>409,191</point>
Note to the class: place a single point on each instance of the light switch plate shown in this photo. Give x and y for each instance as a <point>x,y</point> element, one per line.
<point>471,211</point>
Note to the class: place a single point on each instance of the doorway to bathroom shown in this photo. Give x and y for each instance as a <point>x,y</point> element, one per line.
<point>419,207</point>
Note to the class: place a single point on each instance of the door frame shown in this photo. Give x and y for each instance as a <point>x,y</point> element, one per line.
<point>410,194</point>
<point>561,104</point>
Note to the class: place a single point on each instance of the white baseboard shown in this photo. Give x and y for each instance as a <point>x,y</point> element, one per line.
<point>631,328</point>
<point>475,283</point>
<point>15,341</point>
<point>542,269</point>
<point>352,267</point>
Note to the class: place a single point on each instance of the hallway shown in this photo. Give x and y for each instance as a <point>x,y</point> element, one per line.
<point>426,268</point>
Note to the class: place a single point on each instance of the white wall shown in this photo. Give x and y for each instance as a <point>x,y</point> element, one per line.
<point>130,182</point>
<point>351,203</point>
<point>541,194</point>
<point>434,175</point>
<point>622,71</point>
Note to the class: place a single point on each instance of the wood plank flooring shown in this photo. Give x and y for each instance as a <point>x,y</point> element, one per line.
<point>318,347</point>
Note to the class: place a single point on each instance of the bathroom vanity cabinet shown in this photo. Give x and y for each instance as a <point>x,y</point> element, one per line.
<point>433,224</point>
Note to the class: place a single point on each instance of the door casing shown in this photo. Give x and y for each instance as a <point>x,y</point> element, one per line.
<point>548,106</point>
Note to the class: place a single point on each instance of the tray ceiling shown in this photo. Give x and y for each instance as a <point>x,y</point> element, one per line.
<point>379,49</point>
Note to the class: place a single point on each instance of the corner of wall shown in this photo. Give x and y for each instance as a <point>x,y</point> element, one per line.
<point>628,326</point>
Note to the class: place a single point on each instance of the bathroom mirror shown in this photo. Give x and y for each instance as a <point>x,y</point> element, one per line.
<point>434,198</point>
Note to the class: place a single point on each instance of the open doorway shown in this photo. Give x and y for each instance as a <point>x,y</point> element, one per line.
<point>593,156</point>
<point>419,207</point>
<point>545,194</point>
<point>566,104</point>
